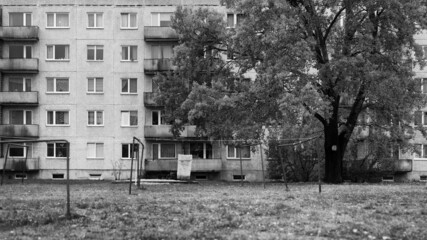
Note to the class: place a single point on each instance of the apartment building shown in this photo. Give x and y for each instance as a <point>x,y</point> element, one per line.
<point>83,72</point>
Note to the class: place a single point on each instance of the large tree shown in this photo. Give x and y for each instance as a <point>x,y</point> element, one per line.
<point>337,59</point>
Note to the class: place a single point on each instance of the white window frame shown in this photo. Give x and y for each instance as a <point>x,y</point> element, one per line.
<point>159,150</point>
<point>235,153</point>
<point>94,156</point>
<point>129,18</point>
<point>127,122</point>
<point>95,80</point>
<point>25,112</point>
<point>234,19</point>
<point>24,81</point>
<point>24,16</point>
<point>128,84</point>
<point>54,150</point>
<point>95,48</point>
<point>159,117</point>
<point>54,118</point>
<point>421,157</point>
<point>129,150</point>
<point>128,48</point>
<point>54,85</point>
<point>95,117</point>
<point>157,24</point>
<point>54,19</point>
<point>95,14</point>
<point>25,50</point>
<point>54,51</point>
<point>25,146</point>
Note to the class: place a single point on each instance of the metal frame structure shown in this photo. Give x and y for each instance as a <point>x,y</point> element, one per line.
<point>139,164</point>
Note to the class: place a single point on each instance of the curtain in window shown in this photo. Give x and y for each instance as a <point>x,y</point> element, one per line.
<point>90,84</point>
<point>62,118</point>
<point>125,119</point>
<point>50,117</point>
<point>91,118</point>
<point>15,85</point>
<point>154,19</point>
<point>165,19</point>
<point>100,150</point>
<point>99,20</point>
<point>91,19</point>
<point>99,84</point>
<point>125,22</point>
<point>50,85</point>
<point>133,20</point>
<point>62,20</point>
<point>16,20</point>
<point>167,150</point>
<point>133,85</point>
<point>156,52</point>
<point>99,117</point>
<point>231,152</point>
<point>125,86</point>
<point>99,53</point>
<point>50,20</point>
<point>125,53</point>
<point>28,19</point>
<point>134,53</point>
<point>28,117</point>
<point>62,85</point>
<point>49,52</point>
<point>91,150</point>
<point>133,118</point>
<point>16,117</point>
<point>90,53</point>
<point>28,84</point>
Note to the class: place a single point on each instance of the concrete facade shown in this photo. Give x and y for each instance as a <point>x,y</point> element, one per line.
<point>96,149</point>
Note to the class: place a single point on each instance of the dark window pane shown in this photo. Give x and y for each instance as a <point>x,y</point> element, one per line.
<point>125,150</point>
<point>16,19</point>
<point>16,51</point>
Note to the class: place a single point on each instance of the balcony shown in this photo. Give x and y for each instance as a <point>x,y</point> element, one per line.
<point>197,165</point>
<point>149,100</point>
<point>19,98</point>
<point>19,33</point>
<point>151,66</point>
<point>159,34</point>
<point>163,131</point>
<point>403,165</point>
<point>19,164</point>
<point>19,130</point>
<point>26,65</point>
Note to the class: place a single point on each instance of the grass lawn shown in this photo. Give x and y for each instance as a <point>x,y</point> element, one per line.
<point>213,210</point>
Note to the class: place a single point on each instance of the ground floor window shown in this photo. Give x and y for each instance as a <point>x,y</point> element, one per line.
<point>420,151</point>
<point>127,150</point>
<point>234,152</point>
<point>20,151</point>
<point>58,150</point>
<point>95,150</point>
<point>201,150</point>
<point>164,150</point>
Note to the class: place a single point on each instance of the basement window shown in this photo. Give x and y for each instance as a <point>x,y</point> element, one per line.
<point>423,178</point>
<point>239,177</point>
<point>95,176</point>
<point>388,179</point>
<point>201,177</point>
<point>20,176</point>
<point>57,176</point>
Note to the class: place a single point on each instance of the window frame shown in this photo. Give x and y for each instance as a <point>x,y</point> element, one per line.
<point>54,20</point>
<point>159,151</point>
<point>25,52</point>
<point>54,118</point>
<point>95,117</point>
<point>24,19</point>
<point>129,151</point>
<point>54,51</point>
<point>55,150</point>
<point>129,119</point>
<point>24,115</point>
<point>24,146</point>
<point>95,49</point>
<point>55,87</point>
<point>95,14</point>
<point>157,24</point>
<point>96,156</point>
<point>128,19</point>
<point>24,83</point>
<point>235,153</point>
<point>235,18</point>
<point>129,51</point>
<point>128,80</point>
<point>95,80</point>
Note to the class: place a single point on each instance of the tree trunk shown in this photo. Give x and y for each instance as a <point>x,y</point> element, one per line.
<point>333,154</point>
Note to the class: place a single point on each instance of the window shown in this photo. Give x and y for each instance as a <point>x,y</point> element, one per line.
<point>19,19</point>
<point>57,85</point>
<point>162,51</point>
<point>95,150</point>
<point>95,52</point>
<point>234,152</point>
<point>95,118</point>
<point>17,151</point>
<point>57,176</point>
<point>423,85</point>
<point>20,176</point>
<point>20,117</point>
<point>127,150</point>
<point>239,177</point>
<point>95,20</point>
<point>129,53</point>
<point>161,19</point>
<point>58,118</point>
<point>58,52</point>
<point>57,150</point>
<point>201,150</point>
<point>58,20</point>
<point>128,20</point>
<point>234,19</point>
<point>420,151</point>
<point>19,84</point>
<point>164,150</point>
<point>129,118</point>
<point>129,85</point>
<point>157,118</point>
<point>20,51</point>
<point>423,178</point>
<point>95,85</point>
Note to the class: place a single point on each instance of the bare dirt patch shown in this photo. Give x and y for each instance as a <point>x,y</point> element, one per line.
<point>213,210</point>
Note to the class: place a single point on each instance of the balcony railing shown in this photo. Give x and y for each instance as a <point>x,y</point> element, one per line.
<point>158,34</point>
<point>198,165</point>
<point>163,131</point>
<point>25,65</point>
<point>19,130</point>
<point>20,164</point>
<point>19,33</point>
<point>15,98</point>
<point>157,65</point>
<point>149,99</point>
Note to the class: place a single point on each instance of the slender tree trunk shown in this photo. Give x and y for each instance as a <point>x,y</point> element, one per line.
<point>333,154</point>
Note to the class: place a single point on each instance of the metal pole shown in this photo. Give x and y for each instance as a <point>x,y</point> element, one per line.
<point>4,165</point>
<point>25,164</point>
<point>262,166</point>
<point>68,214</point>
<point>137,169</point>
<point>318,173</point>
<point>285,179</point>
<point>241,166</point>
<point>131,167</point>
